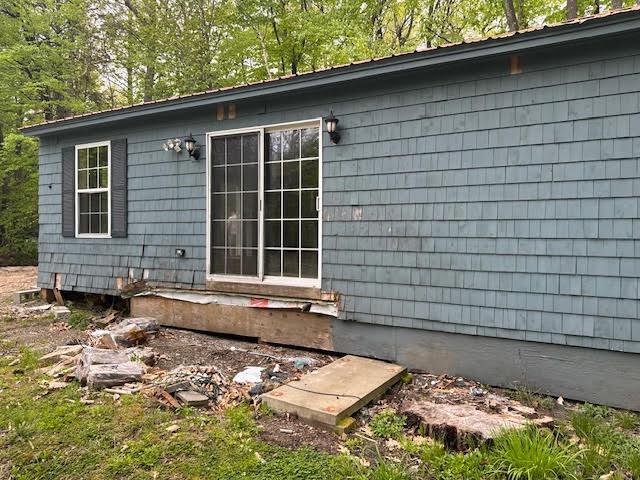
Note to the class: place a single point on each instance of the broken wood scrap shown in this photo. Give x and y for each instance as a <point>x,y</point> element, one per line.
<point>58,295</point>
<point>60,353</point>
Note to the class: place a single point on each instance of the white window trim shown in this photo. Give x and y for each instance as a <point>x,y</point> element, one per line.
<point>262,279</point>
<point>92,190</point>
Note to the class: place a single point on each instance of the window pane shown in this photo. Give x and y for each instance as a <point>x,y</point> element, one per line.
<point>217,233</point>
<point>290,144</point>
<point>84,223</point>
<point>309,204</point>
<point>272,233</point>
<point>82,179</point>
<point>309,262</point>
<point>272,262</point>
<point>219,184</point>
<point>217,151</point>
<point>233,179</point>
<point>104,178</point>
<point>310,174</point>
<point>249,262</point>
<point>233,206</point>
<point>291,233</point>
<point>309,142</point>
<point>93,178</point>
<point>250,234</point>
<point>291,266</point>
<point>233,261</point>
<point>291,204</point>
<point>250,148</point>
<point>217,260</point>
<point>233,150</point>
<point>93,157</point>
<point>218,208</point>
<point>104,202</point>
<point>82,158</point>
<point>103,159</point>
<point>310,234</point>
<point>94,222</point>
<point>250,177</point>
<point>104,223</point>
<point>250,205</point>
<point>273,149</point>
<point>83,202</point>
<point>233,234</point>
<point>291,177</point>
<point>272,176</point>
<point>272,205</point>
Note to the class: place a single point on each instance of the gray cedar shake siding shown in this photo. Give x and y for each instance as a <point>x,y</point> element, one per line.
<point>461,199</point>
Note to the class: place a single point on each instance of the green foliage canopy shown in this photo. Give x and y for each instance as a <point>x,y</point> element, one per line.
<point>63,57</point>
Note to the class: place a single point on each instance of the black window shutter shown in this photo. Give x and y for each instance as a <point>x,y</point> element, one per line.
<point>119,188</point>
<point>69,192</point>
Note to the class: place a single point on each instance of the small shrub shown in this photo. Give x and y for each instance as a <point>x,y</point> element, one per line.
<point>532,454</point>
<point>79,319</point>
<point>387,424</point>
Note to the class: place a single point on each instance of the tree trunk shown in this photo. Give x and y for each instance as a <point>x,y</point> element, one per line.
<point>510,12</point>
<point>572,9</point>
<point>149,79</point>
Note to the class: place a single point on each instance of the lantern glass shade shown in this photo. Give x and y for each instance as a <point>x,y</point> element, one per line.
<point>332,123</point>
<point>190,143</point>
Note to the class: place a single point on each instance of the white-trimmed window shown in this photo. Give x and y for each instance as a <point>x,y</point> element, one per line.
<point>264,209</point>
<point>93,182</point>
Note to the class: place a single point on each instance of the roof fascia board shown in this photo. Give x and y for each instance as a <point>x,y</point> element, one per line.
<point>403,62</point>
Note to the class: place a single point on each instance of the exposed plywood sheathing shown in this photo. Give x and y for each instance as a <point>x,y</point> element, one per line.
<point>269,325</point>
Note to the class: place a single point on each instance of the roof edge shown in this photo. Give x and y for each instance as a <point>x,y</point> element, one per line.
<point>566,33</point>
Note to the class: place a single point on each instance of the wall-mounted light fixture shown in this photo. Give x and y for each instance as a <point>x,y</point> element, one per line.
<point>332,127</point>
<point>172,144</point>
<point>192,147</point>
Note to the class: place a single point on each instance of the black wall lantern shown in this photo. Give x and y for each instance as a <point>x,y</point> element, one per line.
<point>192,147</point>
<point>332,127</point>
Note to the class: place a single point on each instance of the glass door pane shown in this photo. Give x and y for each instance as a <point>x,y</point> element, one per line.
<point>291,202</point>
<point>234,204</point>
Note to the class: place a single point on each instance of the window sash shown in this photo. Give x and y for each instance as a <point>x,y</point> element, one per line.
<point>261,277</point>
<point>92,190</point>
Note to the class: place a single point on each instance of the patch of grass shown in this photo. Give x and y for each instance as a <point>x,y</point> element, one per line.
<point>532,454</point>
<point>444,465</point>
<point>531,398</point>
<point>626,420</point>
<point>387,424</point>
<point>80,319</point>
<point>28,359</point>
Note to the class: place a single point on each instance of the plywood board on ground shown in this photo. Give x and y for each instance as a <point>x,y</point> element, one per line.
<point>335,391</point>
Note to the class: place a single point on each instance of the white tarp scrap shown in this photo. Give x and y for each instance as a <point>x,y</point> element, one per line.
<point>322,308</point>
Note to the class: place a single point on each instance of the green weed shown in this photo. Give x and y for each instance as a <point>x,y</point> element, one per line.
<point>532,454</point>
<point>387,424</point>
<point>80,319</point>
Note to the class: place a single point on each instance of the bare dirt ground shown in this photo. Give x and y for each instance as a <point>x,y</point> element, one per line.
<point>38,330</point>
<point>20,326</point>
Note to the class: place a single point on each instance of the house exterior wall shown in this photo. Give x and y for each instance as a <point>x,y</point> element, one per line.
<point>463,200</point>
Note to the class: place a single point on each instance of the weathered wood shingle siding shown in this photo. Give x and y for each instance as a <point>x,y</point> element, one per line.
<point>463,200</point>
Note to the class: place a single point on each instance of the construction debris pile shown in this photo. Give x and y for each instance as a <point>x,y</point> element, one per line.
<point>115,361</point>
